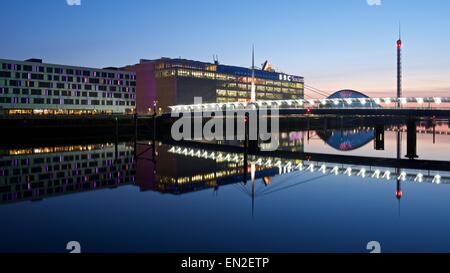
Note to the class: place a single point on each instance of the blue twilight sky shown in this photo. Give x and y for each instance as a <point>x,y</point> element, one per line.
<point>335,44</point>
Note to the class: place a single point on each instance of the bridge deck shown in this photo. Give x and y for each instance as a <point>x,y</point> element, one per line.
<point>431,165</point>
<point>416,112</point>
<point>401,112</point>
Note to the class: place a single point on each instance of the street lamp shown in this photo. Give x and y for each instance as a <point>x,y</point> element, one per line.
<point>155,104</point>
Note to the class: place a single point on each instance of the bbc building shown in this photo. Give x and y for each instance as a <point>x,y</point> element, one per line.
<point>167,82</point>
<point>33,87</point>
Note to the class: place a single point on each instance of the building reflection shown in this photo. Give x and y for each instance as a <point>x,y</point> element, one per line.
<point>177,170</point>
<point>186,169</point>
<point>348,139</point>
<point>37,173</point>
<point>220,168</point>
<point>174,170</point>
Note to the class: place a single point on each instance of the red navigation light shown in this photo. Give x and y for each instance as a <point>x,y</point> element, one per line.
<point>399,44</point>
<point>399,194</point>
<point>308,110</point>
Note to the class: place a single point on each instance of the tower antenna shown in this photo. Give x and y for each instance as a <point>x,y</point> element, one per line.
<point>253,90</point>
<point>399,67</point>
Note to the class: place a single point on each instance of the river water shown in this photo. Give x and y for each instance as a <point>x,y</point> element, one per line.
<point>325,191</point>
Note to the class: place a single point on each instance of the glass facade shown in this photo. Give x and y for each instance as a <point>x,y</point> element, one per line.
<point>32,87</point>
<point>222,83</point>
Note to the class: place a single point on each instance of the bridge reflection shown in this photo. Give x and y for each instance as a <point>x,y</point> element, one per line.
<point>232,163</point>
<point>386,169</point>
<point>184,167</point>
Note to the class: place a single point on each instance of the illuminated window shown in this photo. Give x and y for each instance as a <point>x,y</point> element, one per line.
<point>243,94</point>
<point>197,74</point>
<point>260,88</point>
<point>270,96</point>
<point>260,95</point>
<point>243,86</point>
<point>221,77</point>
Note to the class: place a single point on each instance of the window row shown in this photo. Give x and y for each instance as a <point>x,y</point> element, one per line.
<point>65,101</point>
<point>87,83</point>
<point>261,86</point>
<point>261,96</point>
<point>68,71</point>
<point>41,77</point>
<point>30,182</point>
<point>231,92</point>
<point>66,93</point>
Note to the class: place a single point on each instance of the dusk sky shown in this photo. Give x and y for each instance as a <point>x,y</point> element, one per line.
<point>334,44</point>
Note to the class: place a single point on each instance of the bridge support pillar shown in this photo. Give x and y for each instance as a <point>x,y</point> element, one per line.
<point>411,139</point>
<point>434,131</point>
<point>379,138</point>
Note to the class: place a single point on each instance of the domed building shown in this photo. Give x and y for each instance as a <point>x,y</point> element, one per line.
<point>351,94</point>
<point>349,140</point>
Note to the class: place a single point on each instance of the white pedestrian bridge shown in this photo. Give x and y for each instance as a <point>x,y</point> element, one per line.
<point>326,103</point>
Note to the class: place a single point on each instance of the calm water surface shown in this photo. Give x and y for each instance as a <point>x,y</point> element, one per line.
<point>180,199</point>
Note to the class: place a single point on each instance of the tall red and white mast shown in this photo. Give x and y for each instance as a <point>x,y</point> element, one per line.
<point>399,67</point>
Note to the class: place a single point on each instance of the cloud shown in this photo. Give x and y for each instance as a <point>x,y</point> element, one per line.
<point>374,2</point>
<point>77,2</point>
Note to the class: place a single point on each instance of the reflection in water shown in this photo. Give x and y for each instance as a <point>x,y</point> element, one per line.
<point>178,170</point>
<point>33,174</point>
<point>347,140</point>
<point>295,183</point>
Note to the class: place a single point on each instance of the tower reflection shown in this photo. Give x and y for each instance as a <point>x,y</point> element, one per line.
<point>180,168</point>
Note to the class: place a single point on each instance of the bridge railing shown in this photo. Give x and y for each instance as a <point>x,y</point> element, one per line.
<point>338,103</point>
<point>287,166</point>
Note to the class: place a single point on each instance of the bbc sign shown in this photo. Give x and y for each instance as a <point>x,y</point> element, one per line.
<point>289,78</point>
